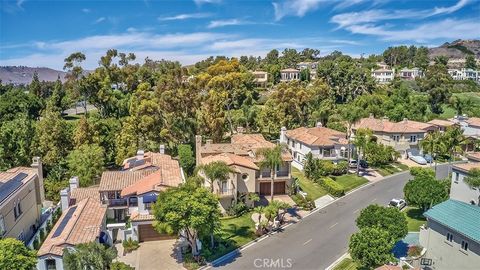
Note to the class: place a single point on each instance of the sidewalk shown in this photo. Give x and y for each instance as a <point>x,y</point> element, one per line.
<point>322,201</point>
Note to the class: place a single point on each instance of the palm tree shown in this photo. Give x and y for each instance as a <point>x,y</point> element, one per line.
<point>361,139</point>
<point>272,159</point>
<point>432,145</point>
<point>215,171</point>
<point>351,114</point>
<point>460,104</point>
<point>454,140</point>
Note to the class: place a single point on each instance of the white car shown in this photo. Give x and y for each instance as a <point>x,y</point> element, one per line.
<point>398,203</point>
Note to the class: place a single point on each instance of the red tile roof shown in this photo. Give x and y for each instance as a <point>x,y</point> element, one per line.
<point>466,167</point>
<point>118,180</point>
<point>473,121</point>
<point>83,226</point>
<point>318,136</point>
<point>384,125</point>
<point>79,194</point>
<point>231,159</point>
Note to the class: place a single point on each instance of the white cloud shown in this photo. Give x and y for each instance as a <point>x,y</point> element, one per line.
<point>86,10</point>
<point>185,16</point>
<point>201,2</point>
<point>448,10</point>
<point>99,20</point>
<point>229,22</point>
<point>20,3</point>
<point>445,29</point>
<point>295,7</point>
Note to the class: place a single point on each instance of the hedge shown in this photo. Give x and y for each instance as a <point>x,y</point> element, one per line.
<point>332,187</point>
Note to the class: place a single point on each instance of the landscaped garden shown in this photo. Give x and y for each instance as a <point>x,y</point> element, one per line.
<point>415,218</point>
<point>389,169</point>
<point>313,189</point>
<point>350,181</point>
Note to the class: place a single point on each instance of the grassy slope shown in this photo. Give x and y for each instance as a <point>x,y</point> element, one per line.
<point>313,189</point>
<point>350,181</point>
<point>449,112</point>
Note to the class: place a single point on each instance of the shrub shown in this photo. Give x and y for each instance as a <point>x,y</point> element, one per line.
<point>36,243</point>
<point>332,187</point>
<point>237,209</point>
<point>325,167</point>
<point>414,251</point>
<point>129,245</point>
<point>304,203</point>
<point>120,266</point>
<point>49,225</point>
<point>42,234</point>
<point>340,168</point>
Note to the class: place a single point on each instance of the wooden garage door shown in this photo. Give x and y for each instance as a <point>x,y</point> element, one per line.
<point>265,188</point>
<point>279,188</point>
<point>146,232</point>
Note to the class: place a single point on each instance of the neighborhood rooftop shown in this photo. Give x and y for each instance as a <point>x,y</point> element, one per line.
<point>230,159</point>
<point>318,136</point>
<point>81,223</point>
<point>466,167</point>
<point>387,126</point>
<point>79,194</point>
<point>461,217</point>
<point>13,179</point>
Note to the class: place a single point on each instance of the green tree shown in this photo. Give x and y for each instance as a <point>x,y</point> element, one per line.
<point>91,255</point>
<point>15,142</point>
<point>121,266</point>
<point>351,114</point>
<point>189,210</point>
<point>309,165</point>
<point>461,105</point>
<point>361,140</point>
<point>436,83</point>
<point>473,178</point>
<point>433,145</point>
<point>271,158</point>
<point>86,162</point>
<point>424,191</point>
<point>186,158</point>
<point>15,255</point>
<point>214,172</point>
<point>470,62</point>
<point>389,219</point>
<point>15,101</point>
<point>371,247</point>
<point>34,87</point>
<point>453,139</point>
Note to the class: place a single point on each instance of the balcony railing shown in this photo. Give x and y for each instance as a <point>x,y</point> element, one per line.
<point>282,174</point>
<point>116,202</point>
<point>265,174</point>
<point>225,192</point>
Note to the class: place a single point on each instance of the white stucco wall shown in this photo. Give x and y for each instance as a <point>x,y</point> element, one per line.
<point>41,265</point>
<point>460,191</point>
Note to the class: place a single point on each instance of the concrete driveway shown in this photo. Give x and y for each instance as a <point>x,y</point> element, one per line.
<point>152,255</point>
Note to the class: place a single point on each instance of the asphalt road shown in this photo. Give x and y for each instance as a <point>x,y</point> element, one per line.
<point>321,238</point>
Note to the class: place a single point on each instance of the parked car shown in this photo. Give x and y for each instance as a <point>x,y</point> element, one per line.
<point>353,164</point>
<point>398,203</point>
<point>414,154</point>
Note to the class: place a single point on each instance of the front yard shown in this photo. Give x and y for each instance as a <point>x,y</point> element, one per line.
<point>350,181</point>
<point>346,264</point>
<point>313,189</point>
<point>391,168</point>
<point>415,218</point>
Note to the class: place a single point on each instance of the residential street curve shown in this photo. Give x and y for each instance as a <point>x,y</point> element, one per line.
<point>320,239</point>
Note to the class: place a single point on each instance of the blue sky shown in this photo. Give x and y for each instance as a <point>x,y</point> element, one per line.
<point>43,33</point>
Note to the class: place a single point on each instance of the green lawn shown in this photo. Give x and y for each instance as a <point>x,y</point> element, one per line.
<point>449,112</point>
<point>350,181</point>
<point>235,232</point>
<point>346,264</point>
<point>313,189</point>
<point>415,218</point>
<point>388,169</point>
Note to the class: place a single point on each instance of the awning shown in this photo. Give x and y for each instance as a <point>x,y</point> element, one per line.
<point>150,198</point>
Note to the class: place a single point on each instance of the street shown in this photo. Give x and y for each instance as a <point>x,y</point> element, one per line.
<point>321,238</point>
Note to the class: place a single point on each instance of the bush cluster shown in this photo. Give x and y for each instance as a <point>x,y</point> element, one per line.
<point>304,203</point>
<point>237,209</point>
<point>316,168</point>
<point>129,245</point>
<point>332,187</point>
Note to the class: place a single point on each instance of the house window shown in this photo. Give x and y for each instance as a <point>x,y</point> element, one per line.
<point>449,237</point>
<point>50,264</point>
<point>396,138</point>
<point>224,186</point>
<point>2,226</point>
<point>464,245</point>
<point>413,138</point>
<point>457,175</point>
<point>148,206</point>
<point>133,201</point>
<point>17,209</point>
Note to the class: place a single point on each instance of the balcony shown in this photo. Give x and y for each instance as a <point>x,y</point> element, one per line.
<point>226,192</point>
<point>117,203</point>
<point>282,174</point>
<point>265,174</point>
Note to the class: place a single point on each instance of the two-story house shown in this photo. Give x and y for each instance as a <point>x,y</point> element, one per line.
<point>410,74</point>
<point>311,66</point>
<point>21,198</point>
<point>247,176</point>
<point>402,136</point>
<point>383,75</point>
<point>130,193</point>
<point>471,129</point>
<point>80,223</point>
<point>322,142</point>
<point>452,236</point>
<point>441,125</point>
<point>459,190</point>
<point>289,74</point>
<point>261,78</point>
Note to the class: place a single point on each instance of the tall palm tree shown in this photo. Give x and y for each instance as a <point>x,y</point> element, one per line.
<point>361,139</point>
<point>215,171</point>
<point>454,140</point>
<point>351,114</point>
<point>432,144</point>
<point>272,159</point>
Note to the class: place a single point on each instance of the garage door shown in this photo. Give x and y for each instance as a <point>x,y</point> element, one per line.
<point>279,188</point>
<point>265,188</point>
<point>146,232</point>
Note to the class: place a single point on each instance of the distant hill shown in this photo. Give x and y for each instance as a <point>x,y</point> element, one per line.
<point>24,75</point>
<point>457,49</point>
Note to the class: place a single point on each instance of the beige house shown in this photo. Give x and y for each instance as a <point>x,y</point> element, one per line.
<point>131,193</point>
<point>322,142</point>
<point>247,176</point>
<point>83,222</point>
<point>289,74</point>
<point>261,78</point>
<point>402,136</point>
<point>21,198</point>
<point>441,125</point>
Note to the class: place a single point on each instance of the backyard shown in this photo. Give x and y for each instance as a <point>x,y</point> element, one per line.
<point>415,218</point>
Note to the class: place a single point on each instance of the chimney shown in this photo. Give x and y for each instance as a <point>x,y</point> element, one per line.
<point>162,149</point>
<point>37,164</point>
<point>405,120</point>
<point>319,124</point>
<point>65,199</point>
<point>198,145</point>
<point>283,135</point>
<point>240,129</point>
<point>140,154</point>
<point>371,116</point>
<point>73,183</point>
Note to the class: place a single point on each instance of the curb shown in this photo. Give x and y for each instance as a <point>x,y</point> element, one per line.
<point>335,263</point>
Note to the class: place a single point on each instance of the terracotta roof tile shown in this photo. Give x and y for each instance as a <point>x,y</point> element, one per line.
<point>466,167</point>
<point>79,194</point>
<point>84,226</point>
<point>118,180</point>
<point>319,136</point>
<point>475,156</point>
<point>473,121</point>
<point>141,217</point>
<point>441,123</point>
<point>230,159</point>
<point>384,125</point>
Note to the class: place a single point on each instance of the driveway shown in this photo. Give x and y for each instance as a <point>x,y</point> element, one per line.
<point>152,255</point>
<point>411,163</point>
